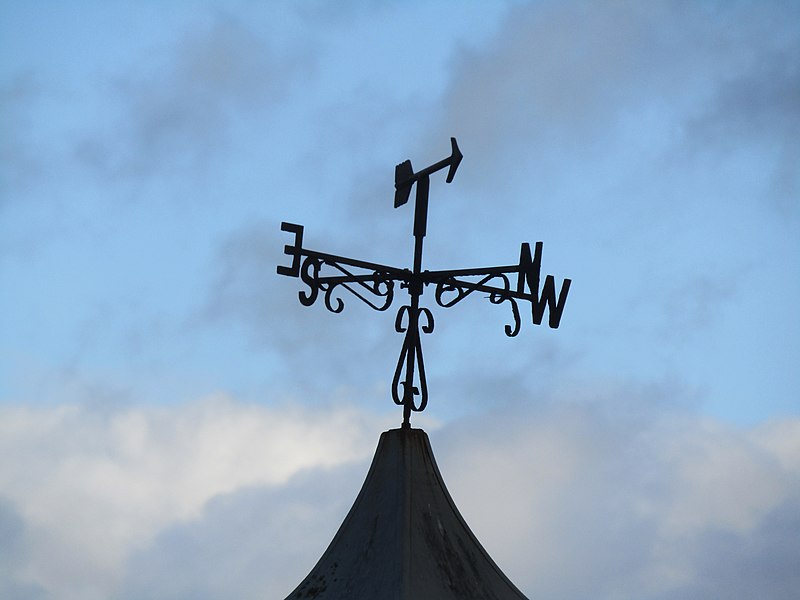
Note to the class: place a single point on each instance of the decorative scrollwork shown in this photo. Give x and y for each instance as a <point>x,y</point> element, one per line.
<point>329,296</point>
<point>462,289</point>
<point>411,360</point>
<point>405,311</point>
<point>447,286</point>
<point>382,286</point>
<point>373,283</point>
<point>504,295</point>
<point>379,285</point>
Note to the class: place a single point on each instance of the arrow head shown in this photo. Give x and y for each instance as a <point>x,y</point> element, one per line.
<point>455,160</point>
<point>404,176</point>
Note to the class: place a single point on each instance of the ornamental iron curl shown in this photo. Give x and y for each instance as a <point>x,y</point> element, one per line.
<point>403,388</point>
<point>374,284</point>
<point>378,284</point>
<point>463,289</point>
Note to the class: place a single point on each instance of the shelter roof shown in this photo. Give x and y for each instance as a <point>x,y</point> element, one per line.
<point>404,538</point>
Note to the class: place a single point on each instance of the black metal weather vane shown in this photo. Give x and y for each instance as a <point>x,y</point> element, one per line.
<point>374,284</point>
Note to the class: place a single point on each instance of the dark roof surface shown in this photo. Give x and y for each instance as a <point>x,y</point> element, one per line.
<point>404,538</point>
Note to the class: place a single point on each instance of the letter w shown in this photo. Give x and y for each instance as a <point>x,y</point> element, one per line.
<point>530,273</point>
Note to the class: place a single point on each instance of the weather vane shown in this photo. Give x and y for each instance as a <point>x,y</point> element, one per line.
<point>374,284</point>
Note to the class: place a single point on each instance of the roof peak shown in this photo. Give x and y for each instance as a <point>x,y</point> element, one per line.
<point>404,537</point>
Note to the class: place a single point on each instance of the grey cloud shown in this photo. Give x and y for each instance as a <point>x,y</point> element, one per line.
<point>691,307</point>
<point>565,86</point>
<point>11,532</point>
<point>314,347</point>
<point>647,134</point>
<point>13,585</point>
<point>758,564</point>
<point>758,109</point>
<point>575,119</point>
<point>762,99</point>
<point>573,501</point>
<point>601,490</point>
<point>98,483</point>
<point>569,499</point>
<point>556,74</point>
<point>21,159</point>
<point>254,543</point>
<point>357,349</point>
<point>178,115</point>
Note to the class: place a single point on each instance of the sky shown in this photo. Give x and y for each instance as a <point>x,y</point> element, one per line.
<point>174,424</point>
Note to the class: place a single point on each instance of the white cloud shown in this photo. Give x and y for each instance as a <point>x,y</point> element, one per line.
<point>257,542</point>
<point>93,485</point>
<point>573,503</point>
<point>215,499</point>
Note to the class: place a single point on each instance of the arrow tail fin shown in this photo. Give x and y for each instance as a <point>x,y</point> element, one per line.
<point>403,180</point>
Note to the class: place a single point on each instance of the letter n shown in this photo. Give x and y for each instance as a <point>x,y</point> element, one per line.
<point>530,275</point>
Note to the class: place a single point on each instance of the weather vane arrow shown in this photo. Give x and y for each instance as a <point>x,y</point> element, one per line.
<point>374,284</point>
<point>404,176</point>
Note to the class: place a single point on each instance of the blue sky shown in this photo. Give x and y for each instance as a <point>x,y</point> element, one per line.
<point>150,356</point>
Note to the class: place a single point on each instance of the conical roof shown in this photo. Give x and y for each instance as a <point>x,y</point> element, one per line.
<point>404,538</point>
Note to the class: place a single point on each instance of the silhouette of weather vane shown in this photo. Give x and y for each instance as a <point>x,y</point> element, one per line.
<point>374,284</point>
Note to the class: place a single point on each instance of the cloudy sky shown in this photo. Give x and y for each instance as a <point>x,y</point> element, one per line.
<point>175,425</point>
